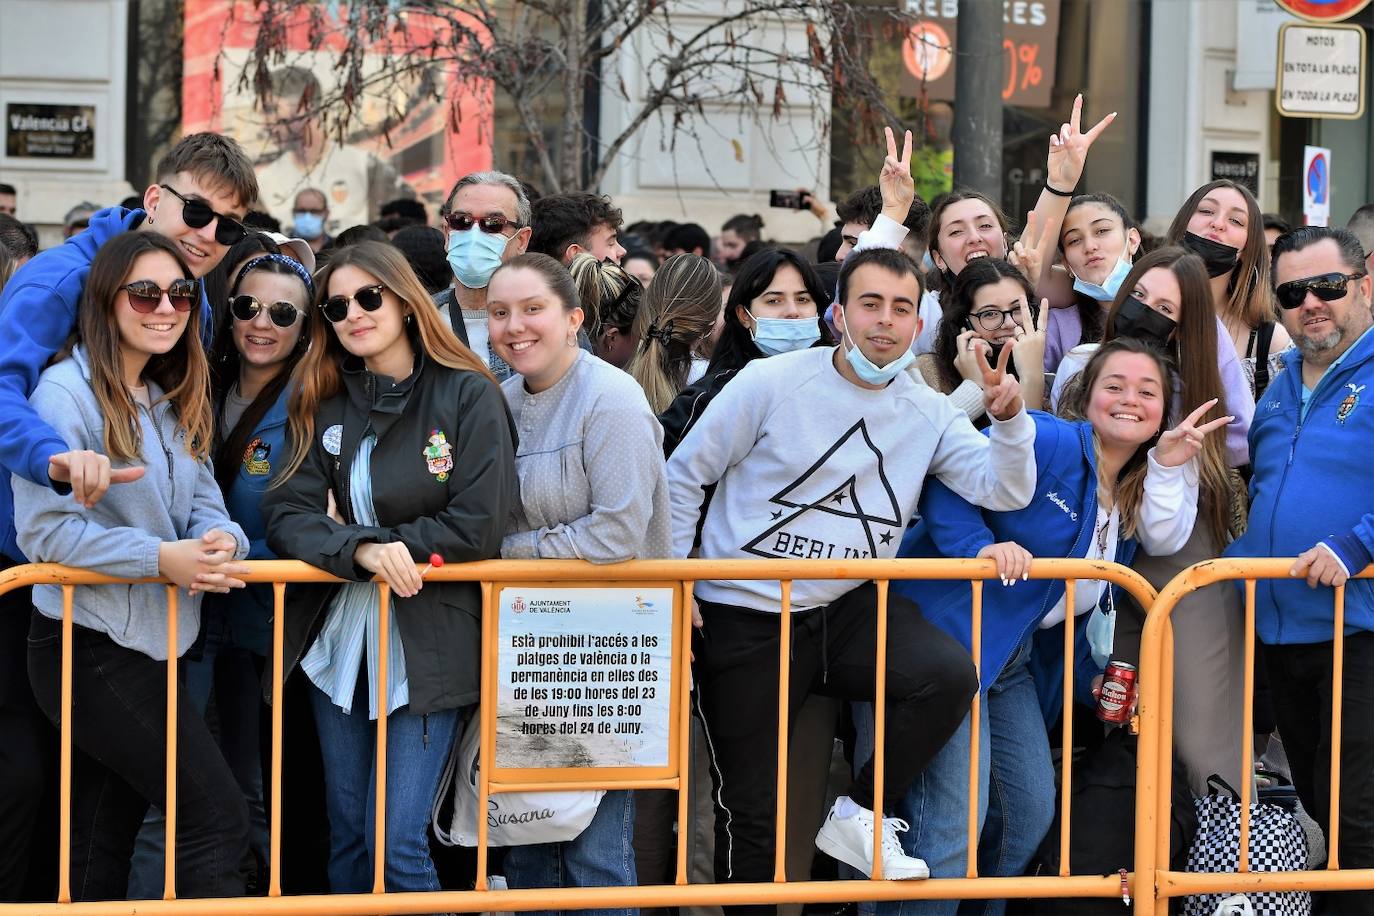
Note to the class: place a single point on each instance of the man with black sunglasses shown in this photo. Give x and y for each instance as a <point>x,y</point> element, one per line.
<point>203,187</point>
<point>1310,443</point>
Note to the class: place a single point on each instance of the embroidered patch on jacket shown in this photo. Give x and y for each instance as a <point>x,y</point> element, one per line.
<point>439,455</point>
<point>256,458</point>
<point>1350,402</point>
<point>333,439</point>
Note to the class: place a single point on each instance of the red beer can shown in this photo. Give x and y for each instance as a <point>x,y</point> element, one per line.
<point>1117,695</point>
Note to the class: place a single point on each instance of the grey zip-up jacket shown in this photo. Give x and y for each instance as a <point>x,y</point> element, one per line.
<point>176,498</point>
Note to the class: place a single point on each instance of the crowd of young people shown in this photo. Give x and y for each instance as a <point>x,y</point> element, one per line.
<point>178,394</point>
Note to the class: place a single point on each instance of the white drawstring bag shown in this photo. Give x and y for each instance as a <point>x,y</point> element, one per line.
<point>513,818</point>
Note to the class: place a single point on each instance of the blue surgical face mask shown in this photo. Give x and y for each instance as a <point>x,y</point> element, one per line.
<point>1107,291</point>
<point>867,370</point>
<point>474,255</point>
<point>783,335</point>
<point>308,226</point>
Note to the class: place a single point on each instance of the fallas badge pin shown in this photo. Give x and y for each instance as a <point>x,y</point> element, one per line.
<point>1349,403</point>
<point>439,455</point>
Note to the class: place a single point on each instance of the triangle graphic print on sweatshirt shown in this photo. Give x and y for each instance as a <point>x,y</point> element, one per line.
<point>862,510</point>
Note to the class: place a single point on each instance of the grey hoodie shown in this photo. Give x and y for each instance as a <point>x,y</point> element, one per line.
<point>176,498</point>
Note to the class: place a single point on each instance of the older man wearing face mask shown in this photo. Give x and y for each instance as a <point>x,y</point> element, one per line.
<point>486,223</point>
<point>1310,441</point>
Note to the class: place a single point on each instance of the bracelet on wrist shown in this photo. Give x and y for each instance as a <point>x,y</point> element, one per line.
<point>1056,192</point>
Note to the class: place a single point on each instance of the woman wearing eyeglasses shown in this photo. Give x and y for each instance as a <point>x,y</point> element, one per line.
<point>401,447</point>
<point>133,383</point>
<point>989,307</point>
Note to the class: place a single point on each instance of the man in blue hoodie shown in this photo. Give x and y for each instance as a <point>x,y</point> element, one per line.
<point>1310,444</point>
<point>203,188</point>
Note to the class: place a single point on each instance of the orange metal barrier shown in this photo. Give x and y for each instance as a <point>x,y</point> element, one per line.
<point>1157,883</point>
<point>495,574</point>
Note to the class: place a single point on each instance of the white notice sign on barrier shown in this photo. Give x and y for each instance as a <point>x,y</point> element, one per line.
<point>584,677</point>
<point>1321,71</point>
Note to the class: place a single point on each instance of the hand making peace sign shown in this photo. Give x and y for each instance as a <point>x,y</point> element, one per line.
<point>1069,149</point>
<point>895,183</point>
<point>1183,443</point>
<point>1001,391</point>
<point>1034,249</point>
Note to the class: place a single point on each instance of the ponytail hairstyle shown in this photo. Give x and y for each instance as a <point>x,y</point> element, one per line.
<point>318,376</point>
<point>225,363</point>
<point>603,289</point>
<point>943,278</point>
<point>1249,297</point>
<point>680,308</point>
<point>1129,486</point>
<point>1197,365</point>
<point>959,306</point>
<point>183,373</point>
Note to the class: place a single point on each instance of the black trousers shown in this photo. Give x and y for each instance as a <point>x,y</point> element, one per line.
<point>28,766</point>
<point>930,683</point>
<point>1300,679</point>
<point>119,728</point>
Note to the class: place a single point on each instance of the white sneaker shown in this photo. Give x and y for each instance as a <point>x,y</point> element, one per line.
<point>850,840</point>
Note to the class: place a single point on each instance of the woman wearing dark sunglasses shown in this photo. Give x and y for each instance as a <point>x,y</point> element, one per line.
<point>133,383</point>
<point>402,428</point>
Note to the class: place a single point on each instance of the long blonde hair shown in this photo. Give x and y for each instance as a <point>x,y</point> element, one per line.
<point>679,309</point>
<point>319,376</point>
<point>183,373</point>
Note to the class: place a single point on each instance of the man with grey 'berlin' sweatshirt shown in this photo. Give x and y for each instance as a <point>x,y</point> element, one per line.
<point>821,454</point>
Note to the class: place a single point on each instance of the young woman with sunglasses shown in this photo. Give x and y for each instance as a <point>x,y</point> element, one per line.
<point>990,307</point>
<point>401,447</point>
<point>1221,223</point>
<point>133,384</point>
<point>592,487</point>
<point>1109,480</point>
<point>1165,300</point>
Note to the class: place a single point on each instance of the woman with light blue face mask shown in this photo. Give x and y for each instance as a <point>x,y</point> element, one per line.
<point>774,307</point>
<point>1098,242</point>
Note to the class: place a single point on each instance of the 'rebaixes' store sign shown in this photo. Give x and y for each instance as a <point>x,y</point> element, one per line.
<point>39,131</point>
<point>1030,40</point>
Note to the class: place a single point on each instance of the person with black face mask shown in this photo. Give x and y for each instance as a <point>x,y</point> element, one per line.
<point>991,305</point>
<point>1221,223</point>
<point>1165,301</point>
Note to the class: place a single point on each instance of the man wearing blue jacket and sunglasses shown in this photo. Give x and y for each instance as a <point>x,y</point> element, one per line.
<point>1310,444</point>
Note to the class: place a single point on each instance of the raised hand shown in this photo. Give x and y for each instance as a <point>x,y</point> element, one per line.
<point>1001,391</point>
<point>1033,250</point>
<point>1069,149</point>
<point>1183,443</point>
<point>966,356</point>
<point>1028,348</point>
<point>1013,561</point>
<point>894,181</point>
<point>89,474</point>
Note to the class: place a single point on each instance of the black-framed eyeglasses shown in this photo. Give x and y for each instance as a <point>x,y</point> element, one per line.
<point>283,314</point>
<point>492,225</point>
<point>992,319</point>
<point>145,295</point>
<point>335,308</point>
<point>1326,287</point>
<point>197,214</point>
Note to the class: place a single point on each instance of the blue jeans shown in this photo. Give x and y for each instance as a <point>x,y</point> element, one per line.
<point>413,769</point>
<point>600,856</point>
<point>1015,793</point>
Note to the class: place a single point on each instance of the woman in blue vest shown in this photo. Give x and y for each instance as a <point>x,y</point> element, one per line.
<point>1105,483</point>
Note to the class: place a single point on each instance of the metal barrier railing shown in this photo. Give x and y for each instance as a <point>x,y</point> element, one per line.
<point>1155,763</point>
<point>493,575</point>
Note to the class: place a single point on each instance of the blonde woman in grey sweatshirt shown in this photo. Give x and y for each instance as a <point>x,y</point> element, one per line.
<point>592,487</point>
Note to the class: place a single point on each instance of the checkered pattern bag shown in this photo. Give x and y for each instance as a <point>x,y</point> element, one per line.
<point>1277,843</point>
